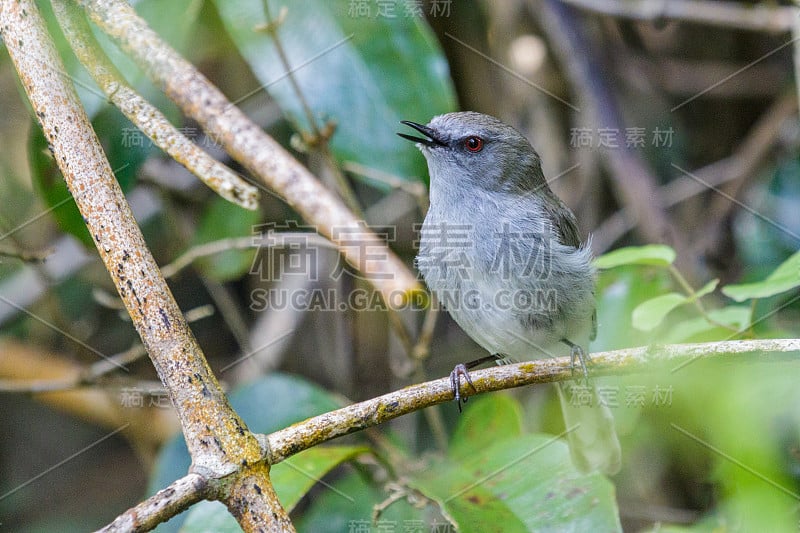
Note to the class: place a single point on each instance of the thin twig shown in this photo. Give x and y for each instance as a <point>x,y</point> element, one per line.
<point>422,347</point>
<point>289,441</point>
<point>147,117</point>
<point>25,255</point>
<point>230,311</point>
<point>770,126</point>
<point>53,379</point>
<point>319,136</point>
<point>434,414</point>
<point>161,506</point>
<point>106,366</point>
<point>251,146</point>
<point>271,27</point>
<point>411,186</point>
<point>796,39</point>
<point>745,16</point>
<point>690,292</point>
<point>685,78</point>
<point>419,353</point>
<point>102,204</point>
<point>277,240</point>
<point>262,155</point>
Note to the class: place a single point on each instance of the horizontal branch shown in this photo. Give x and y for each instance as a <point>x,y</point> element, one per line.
<point>53,379</point>
<point>276,240</point>
<point>61,377</point>
<point>744,16</point>
<point>322,428</point>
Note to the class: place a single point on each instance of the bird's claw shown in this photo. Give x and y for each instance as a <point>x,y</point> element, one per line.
<point>458,372</point>
<point>577,353</point>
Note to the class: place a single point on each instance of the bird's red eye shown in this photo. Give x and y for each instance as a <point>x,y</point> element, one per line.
<point>474,144</point>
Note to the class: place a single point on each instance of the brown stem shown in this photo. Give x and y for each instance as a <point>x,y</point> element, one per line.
<point>252,500</point>
<point>147,117</point>
<point>252,147</point>
<point>756,17</point>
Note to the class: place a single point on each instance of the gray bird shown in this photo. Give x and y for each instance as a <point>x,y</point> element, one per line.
<point>502,253</point>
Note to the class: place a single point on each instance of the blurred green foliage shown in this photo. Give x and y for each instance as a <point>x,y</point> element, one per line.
<point>718,440</point>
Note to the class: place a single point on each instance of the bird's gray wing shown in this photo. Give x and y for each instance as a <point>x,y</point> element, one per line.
<point>566,226</point>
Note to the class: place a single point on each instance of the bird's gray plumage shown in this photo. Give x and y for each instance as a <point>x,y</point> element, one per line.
<point>504,255</point>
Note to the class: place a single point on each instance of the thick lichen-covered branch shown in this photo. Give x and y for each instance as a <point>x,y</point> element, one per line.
<point>161,506</point>
<point>217,439</point>
<point>356,417</point>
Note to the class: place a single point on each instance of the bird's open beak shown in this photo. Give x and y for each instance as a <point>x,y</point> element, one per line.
<point>430,140</point>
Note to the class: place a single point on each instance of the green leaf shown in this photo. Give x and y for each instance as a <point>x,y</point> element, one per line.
<point>221,220</point>
<point>489,418</point>
<point>291,399</point>
<point>619,291</point>
<point>708,288</point>
<point>525,483</point>
<point>784,278</point>
<point>51,187</point>
<point>295,476</point>
<point>209,517</point>
<point>364,73</point>
<point>648,315</point>
<point>348,504</point>
<point>760,289</point>
<point>651,254</point>
<point>737,316</point>
<point>789,268</point>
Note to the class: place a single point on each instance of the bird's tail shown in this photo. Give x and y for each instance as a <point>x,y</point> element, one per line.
<point>593,442</point>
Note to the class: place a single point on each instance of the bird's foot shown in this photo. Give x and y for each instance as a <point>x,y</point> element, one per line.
<point>461,370</point>
<point>576,353</point>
